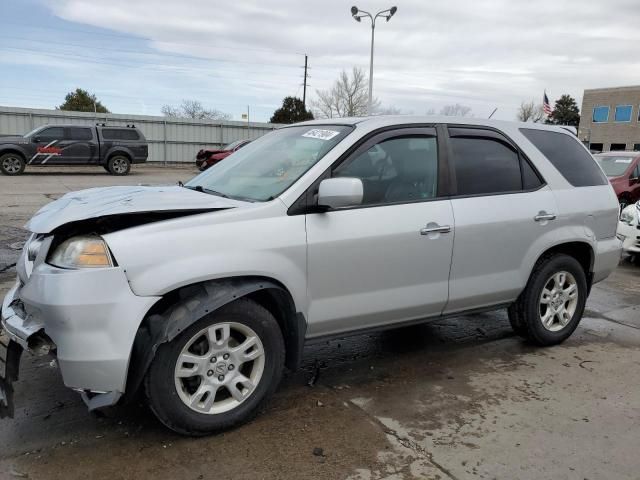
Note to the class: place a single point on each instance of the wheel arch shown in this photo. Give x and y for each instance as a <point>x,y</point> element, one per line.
<point>118,151</point>
<point>582,251</point>
<point>14,150</point>
<point>180,308</point>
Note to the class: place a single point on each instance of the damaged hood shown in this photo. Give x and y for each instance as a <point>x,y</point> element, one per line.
<point>107,201</point>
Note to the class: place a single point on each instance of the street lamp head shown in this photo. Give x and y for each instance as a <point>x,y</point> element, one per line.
<point>393,11</point>
<point>354,11</point>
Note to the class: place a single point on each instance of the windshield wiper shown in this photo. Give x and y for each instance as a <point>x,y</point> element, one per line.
<point>200,188</point>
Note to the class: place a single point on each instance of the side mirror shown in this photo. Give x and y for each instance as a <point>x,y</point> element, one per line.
<point>340,192</point>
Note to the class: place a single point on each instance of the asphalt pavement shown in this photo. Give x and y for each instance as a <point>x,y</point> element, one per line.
<point>459,398</point>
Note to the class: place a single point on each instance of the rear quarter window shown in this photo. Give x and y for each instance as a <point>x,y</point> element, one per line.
<point>575,164</point>
<point>120,134</point>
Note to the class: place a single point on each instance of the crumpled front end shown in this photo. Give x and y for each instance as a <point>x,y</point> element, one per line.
<point>87,317</point>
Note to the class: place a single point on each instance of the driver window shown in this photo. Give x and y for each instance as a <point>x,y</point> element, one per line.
<point>51,133</point>
<point>400,169</point>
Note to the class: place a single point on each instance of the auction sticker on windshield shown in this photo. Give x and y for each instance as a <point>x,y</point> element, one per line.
<point>320,134</point>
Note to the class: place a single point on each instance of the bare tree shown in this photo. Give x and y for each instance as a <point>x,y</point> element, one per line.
<point>193,109</point>
<point>348,97</point>
<point>456,110</point>
<point>530,112</point>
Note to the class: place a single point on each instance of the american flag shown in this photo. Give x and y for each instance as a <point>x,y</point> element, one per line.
<point>545,105</point>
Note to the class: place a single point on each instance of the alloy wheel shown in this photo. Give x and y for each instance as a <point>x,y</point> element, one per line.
<point>11,164</point>
<point>120,165</point>
<point>219,368</point>
<point>558,301</point>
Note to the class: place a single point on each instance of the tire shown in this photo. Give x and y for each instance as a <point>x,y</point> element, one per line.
<point>624,202</point>
<point>106,167</point>
<point>119,165</point>
<point>516,322</point>
<point>12,164</point>
<point>170,383</point>
<point>526,314</point>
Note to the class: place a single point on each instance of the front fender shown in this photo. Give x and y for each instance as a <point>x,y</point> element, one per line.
<point>196,301</point>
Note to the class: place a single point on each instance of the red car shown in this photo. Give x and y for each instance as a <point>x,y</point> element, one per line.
<point>623,170</point>
<point>207,157</point>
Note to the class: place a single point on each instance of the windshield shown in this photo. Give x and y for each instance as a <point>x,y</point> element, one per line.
<point>266,167</point>
<point>614,166</point>
<point>32,132</point>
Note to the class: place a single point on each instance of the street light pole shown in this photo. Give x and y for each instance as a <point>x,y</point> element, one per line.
<point>373,31</point>
<point>358,15</point>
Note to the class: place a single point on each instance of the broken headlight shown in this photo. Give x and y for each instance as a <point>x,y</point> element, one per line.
<point>33,246</point>
<point>86,251</point>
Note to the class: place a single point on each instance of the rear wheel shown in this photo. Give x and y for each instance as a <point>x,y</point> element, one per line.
<point>12,164</point>
<point>118,165</point>
<point>219,372</point>
<point>551,306</point>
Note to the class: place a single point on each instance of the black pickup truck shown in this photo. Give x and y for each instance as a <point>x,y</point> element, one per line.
<point>114,148</point>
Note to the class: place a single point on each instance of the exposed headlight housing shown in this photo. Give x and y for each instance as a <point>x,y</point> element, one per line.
<point>86,251</point>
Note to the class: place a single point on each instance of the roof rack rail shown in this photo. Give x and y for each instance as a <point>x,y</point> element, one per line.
<point>101,124</point>
<point>131,125</point>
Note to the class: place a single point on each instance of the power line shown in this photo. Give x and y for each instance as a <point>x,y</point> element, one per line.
<point>136,52</point>
<point>165,68</point>
<point>130,37</point>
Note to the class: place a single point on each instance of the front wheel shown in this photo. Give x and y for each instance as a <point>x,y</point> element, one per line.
<point>219,372</point>
<point>551,306</point>
<point>12,164</point>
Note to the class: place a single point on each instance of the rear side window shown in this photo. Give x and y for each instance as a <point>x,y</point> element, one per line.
<point>568,156</point>
<point>484,166</point>
<point>75,133</point>
<point>120,134</point>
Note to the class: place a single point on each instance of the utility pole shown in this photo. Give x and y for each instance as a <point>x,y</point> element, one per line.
<point>304,85</point>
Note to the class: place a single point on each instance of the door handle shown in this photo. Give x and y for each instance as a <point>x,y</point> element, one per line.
<point>544,216</point>
<point>436,229</point>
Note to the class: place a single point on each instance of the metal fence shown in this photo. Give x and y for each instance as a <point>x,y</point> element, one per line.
<point>170,139</point>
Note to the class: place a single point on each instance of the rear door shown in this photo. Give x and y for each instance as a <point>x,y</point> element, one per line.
<point>386,260</point>
<point>80,146</point>
<point>501,206</point>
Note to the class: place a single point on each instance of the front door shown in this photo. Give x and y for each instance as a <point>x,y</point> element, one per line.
<point>388,259</point>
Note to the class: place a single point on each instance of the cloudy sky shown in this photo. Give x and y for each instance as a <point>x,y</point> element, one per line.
<point>137,55</point>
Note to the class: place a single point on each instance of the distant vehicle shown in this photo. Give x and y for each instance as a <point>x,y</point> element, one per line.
<point>207,157</point>
<point>114,148</point>
<point>623,171</point>
<point>629,230</point>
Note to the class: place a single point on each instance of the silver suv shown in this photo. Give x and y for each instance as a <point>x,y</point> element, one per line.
<point>202,293</point>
